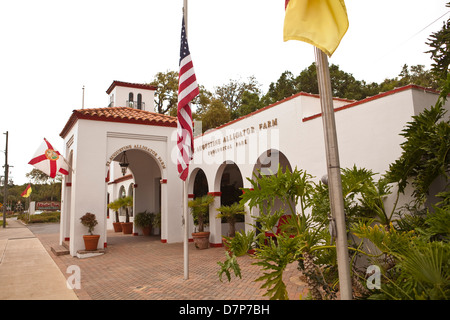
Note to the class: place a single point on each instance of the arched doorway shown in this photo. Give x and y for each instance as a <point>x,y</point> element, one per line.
<point>144,184</point>
<point>200,187</point>
<point>197,188</point>
<point>267,164</point>
<point>229,183</point>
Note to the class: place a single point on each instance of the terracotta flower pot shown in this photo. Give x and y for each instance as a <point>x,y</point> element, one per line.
<point>91,242</point>
<point>127,227</point>
<point>117,226</point>
<point>147,230</point>
<point>201,239</point>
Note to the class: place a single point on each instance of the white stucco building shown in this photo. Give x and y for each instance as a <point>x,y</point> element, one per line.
<point>288,132</point>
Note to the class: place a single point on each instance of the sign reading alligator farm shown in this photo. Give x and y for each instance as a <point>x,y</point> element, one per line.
<point>48,205</point>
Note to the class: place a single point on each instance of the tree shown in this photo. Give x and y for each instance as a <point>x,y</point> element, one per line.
<point>426,151</point>
<point>115,206</point>
<point>200,209</point>
<point>286,86</point>
<point>213,115</point>
<point>440,48</point>
<point>166,94</point>
<point>343,84</point>
<point>126,203</point>
<point>46,188</point>
<point>250,102</point>
<point>307,80</point>
<point>201,102</point>
<point>39,177</point>
<point>417,75</point>
<point>231,94</point>
<point>230,214</point>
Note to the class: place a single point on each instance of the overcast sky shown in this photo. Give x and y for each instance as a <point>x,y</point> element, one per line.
<point>49,50</point>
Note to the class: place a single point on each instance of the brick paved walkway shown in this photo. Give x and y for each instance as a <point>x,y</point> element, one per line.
<point>143,268</point>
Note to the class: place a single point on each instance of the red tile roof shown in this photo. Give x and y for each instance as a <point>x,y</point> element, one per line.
<point>119,114</point>
<point>130,85</point>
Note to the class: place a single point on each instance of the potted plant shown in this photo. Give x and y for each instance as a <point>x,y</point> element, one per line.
<point>127,226</point>
<point>91,240</point>
<point>115,206</point>
<point>230,214</point>
<point>145,221</point>
<point>200,210</point>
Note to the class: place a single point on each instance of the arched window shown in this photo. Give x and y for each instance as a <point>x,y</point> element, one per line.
<point>139,101</point>
<point>122,193</point>
<point>130,100</point>
<point>111,100</point>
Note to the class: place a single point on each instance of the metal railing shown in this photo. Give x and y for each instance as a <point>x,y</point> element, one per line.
<point>135,104</point>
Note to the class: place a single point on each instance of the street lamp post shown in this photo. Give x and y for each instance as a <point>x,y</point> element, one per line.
<point>5,184</point>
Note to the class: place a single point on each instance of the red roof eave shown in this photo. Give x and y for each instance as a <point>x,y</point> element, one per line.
<point>375,97</point>
<point>146,118</point>
<point>130,85</point>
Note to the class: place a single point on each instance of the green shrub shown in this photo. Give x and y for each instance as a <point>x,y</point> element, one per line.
<point>44,217</point>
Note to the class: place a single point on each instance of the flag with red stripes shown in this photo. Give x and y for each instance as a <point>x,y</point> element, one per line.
<point>187,90</point>
<point>26,193</point>
<point>49,161</point>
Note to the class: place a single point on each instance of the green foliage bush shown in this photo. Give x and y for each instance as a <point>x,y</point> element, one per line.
<point>44,217</point>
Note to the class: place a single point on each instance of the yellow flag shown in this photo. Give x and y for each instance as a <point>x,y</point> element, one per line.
<point>26,193</point>
<point>321,23</point>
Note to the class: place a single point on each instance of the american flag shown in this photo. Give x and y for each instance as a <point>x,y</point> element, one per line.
<point>187,90</point>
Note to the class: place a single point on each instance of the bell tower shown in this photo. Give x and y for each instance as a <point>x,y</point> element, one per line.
<point>133,95</point>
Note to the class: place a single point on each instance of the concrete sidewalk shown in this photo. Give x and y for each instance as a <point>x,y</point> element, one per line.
<point>27,271</point>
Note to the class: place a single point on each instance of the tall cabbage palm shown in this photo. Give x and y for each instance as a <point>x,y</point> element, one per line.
<point>115,206</point>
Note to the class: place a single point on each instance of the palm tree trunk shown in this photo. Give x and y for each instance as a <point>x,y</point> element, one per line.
<point>311,276</point>
<point>357,286</point>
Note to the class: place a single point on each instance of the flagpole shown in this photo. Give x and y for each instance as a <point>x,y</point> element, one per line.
<point>334,173</point>
<point>185,213</point>
<point>82,101</point>
<point>186,233</point>
<point>29,202</point>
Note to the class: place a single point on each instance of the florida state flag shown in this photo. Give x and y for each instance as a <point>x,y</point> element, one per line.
<point>49,161</point>
<point>26,193</point>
